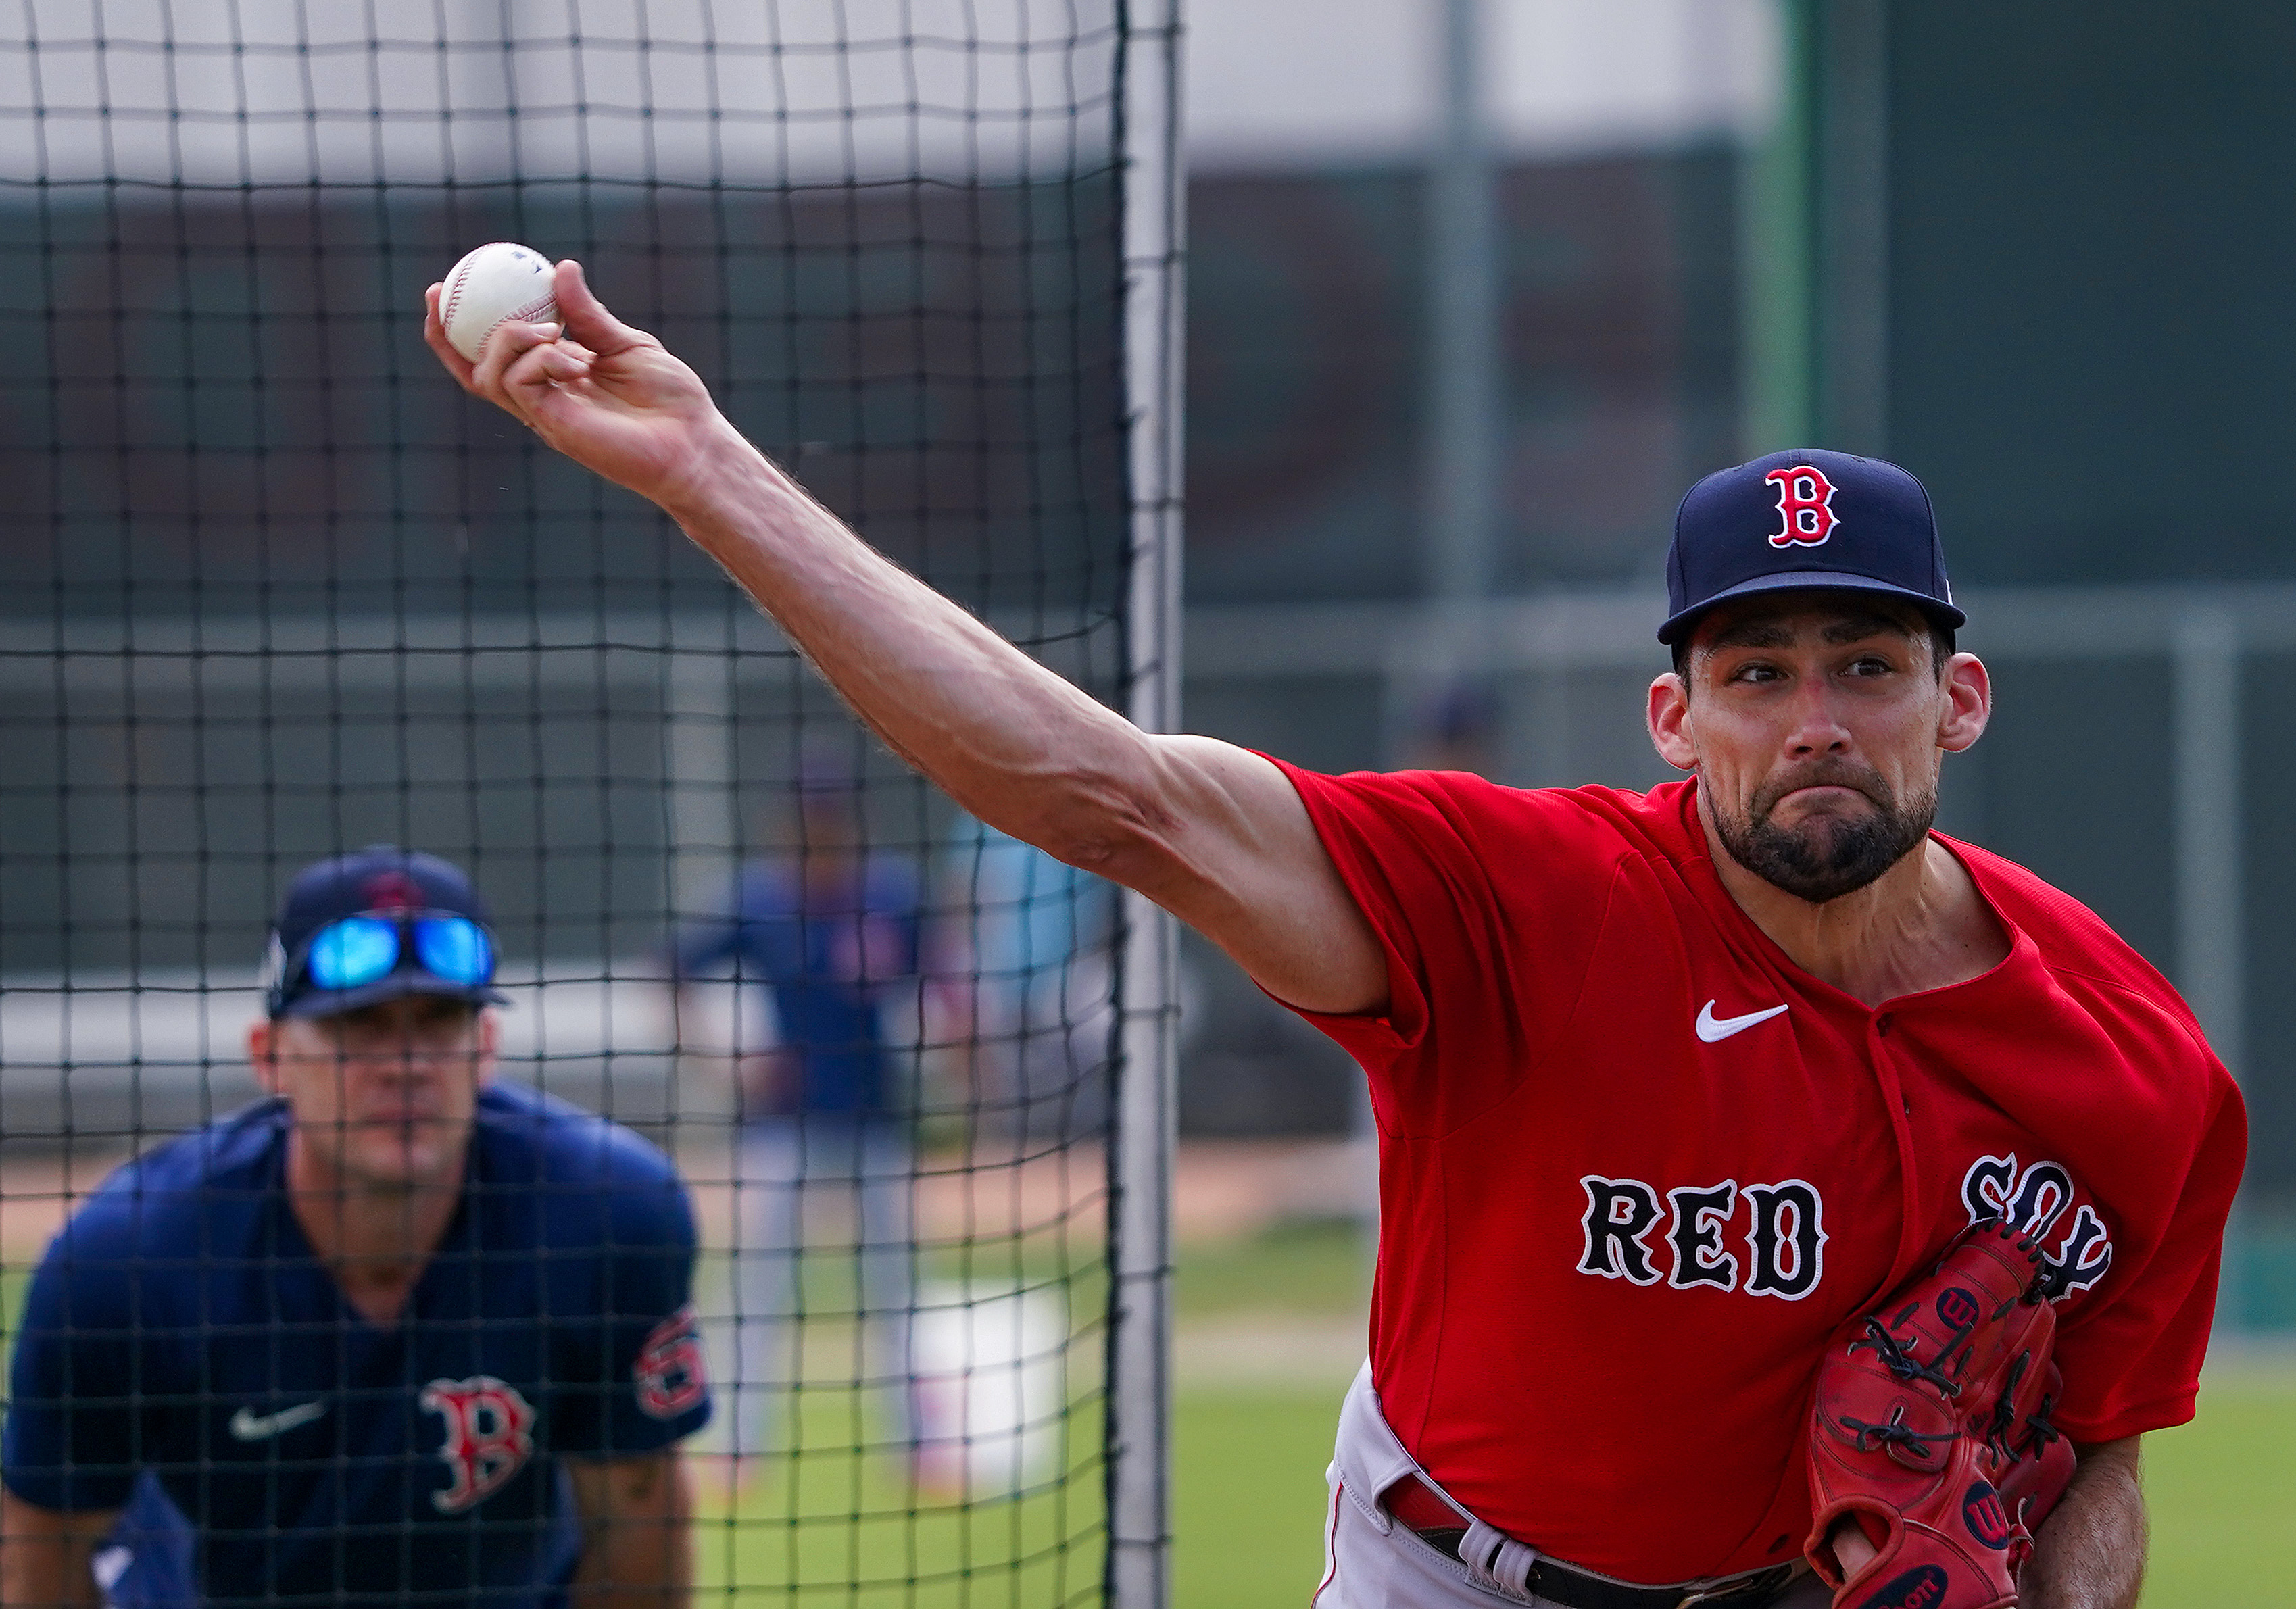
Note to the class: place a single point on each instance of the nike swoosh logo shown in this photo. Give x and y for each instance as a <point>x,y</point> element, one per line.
<point>1713,1029</point>
<point>248,1426</point>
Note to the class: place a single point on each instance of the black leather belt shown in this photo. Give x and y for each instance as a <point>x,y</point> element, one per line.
<point>1562,1584</point>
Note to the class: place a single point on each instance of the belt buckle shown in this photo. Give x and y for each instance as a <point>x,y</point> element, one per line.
<point>1768,1582</point>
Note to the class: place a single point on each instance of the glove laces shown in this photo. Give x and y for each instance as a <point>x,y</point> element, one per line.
<point>1902,1363</point>
<point>1917,1443</point>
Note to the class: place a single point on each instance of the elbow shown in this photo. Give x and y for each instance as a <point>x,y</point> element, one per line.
<point>1120,828</point>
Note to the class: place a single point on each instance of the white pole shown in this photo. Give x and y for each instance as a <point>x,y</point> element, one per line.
<point>1139,1347</point>
<point>2211,948</point>
<point>1463,281</point>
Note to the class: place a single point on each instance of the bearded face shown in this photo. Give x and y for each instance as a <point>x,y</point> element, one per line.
<point>1833,842</point>
<point>1816,722</point>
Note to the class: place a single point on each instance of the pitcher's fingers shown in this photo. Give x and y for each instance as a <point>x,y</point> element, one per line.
<point>564,362</point>
<point>434,336</point>
<point>526,380</point>
<point>504,347</point>
<point>587,318</point>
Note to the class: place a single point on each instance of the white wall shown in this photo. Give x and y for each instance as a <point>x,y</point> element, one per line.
<point>295,91</point>
<point>1296,82</point>
<point>755,90</point>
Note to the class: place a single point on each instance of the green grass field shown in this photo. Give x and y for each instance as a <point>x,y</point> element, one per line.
<point>1249,1509</point>
<point>829,1526</point>
<point>832,1527</point>
<point>1250,1463</point>
<point>1249,1499</point>
<point>2223,1494</point>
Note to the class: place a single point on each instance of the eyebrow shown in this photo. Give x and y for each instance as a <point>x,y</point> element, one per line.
<point>1769,633</point>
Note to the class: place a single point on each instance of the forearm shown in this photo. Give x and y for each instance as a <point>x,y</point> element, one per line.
<point>44,1555</point>
<point>1016,744</point>
<point>637,1550</point>
<point>2090,1552</point>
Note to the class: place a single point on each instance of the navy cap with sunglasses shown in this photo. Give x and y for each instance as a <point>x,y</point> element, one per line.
<point>385,922</point>
<point>1806,518</point>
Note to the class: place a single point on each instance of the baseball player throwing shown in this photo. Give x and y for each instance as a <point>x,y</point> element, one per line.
<point>397,1336</point>
<point>1773,1190</point>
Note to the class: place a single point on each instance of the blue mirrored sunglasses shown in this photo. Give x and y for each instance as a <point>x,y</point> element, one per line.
<point>357,951</point>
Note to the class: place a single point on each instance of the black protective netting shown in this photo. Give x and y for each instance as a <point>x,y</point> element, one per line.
<point>273,589</point>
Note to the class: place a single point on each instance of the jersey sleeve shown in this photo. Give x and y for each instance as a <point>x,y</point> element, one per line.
<point>73,1441</point>
<point>1488,902</point>
<point>2133,1364</point>
<point>644,1381</point>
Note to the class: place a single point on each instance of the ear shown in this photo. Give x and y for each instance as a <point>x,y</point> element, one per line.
<point>489,1026</point>
<point>1668,718</point>
<point>1968,704</point>
<point>263,1053</point>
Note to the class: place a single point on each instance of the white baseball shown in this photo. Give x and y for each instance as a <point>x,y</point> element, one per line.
<point>491,286</point>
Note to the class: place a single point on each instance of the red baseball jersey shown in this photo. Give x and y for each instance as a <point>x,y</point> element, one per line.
<point>1635,1165</point>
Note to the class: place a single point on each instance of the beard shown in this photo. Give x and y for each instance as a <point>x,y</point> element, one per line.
<point>1826,855</point>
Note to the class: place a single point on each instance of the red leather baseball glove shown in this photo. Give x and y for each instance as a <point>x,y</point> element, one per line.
<point>1932,1431</point>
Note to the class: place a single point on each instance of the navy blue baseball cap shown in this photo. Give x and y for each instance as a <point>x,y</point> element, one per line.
<point>1802,519</point>
<point>385,922</point>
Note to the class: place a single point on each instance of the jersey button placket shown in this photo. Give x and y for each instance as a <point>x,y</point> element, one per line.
<point>1899,1108</point>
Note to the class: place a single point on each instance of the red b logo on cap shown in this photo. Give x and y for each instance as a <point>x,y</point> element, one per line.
<point>1805,506</point>
<point>392,891</point>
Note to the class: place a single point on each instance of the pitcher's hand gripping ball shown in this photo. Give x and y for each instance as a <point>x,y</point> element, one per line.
<point>1932,1431</point>
<point>489,288</point>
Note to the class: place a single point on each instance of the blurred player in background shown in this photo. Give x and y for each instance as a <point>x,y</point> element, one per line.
<point>1674,1087</point>
<point>1040,934</point>
<point>397,1333</point>
<point>833,936</point>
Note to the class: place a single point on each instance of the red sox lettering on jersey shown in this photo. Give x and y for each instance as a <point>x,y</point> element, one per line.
<point>1804,506</point>
<point>2034,1198</point>
<point>1785,1239</point>
<point>1779,1240</point>
<point>489,1437</point>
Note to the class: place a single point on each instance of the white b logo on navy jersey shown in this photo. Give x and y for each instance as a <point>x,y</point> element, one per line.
<point>489,1437</point>
<point>2032,1199</point>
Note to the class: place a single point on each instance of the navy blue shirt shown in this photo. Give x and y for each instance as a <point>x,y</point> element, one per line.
<point>182,1346</point>
<point>827,960</point>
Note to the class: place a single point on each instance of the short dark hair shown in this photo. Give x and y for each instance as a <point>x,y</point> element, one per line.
<point>1941,648</point>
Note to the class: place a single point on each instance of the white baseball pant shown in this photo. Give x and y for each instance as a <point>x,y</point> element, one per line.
<point>1373,1561</point>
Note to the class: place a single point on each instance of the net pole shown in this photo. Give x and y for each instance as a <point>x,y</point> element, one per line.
<point>2205,650</point>
<point>1140,1403</point>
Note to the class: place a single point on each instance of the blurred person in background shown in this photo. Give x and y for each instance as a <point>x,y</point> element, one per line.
<point>833,936</point>
<point>397,1332</point>
<point>1457,727</point>
<point>1040,933</point>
